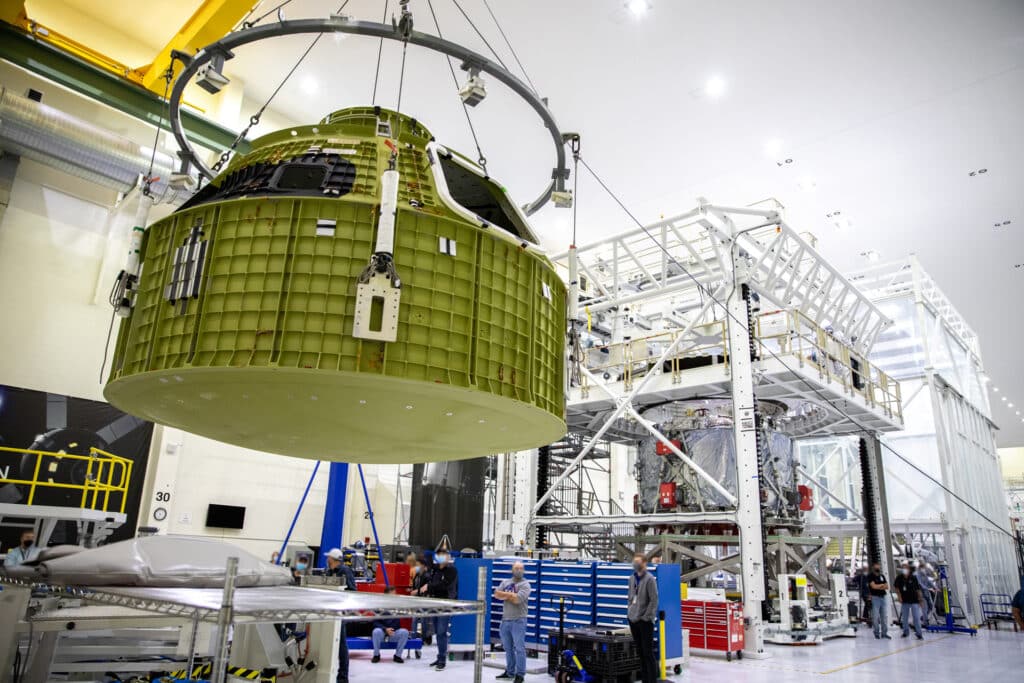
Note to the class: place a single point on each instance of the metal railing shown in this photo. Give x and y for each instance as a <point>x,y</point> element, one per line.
<point>784,333</point>
<point>106,475</point>
<point>627,360</point>
<point>791,333</point>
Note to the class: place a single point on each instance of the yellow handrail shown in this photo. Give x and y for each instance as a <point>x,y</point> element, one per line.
<point>105,474</point>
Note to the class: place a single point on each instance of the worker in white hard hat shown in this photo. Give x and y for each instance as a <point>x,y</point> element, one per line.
<point>337,567</point>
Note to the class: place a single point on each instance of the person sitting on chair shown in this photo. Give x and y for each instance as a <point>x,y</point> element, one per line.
<point>389,630</point>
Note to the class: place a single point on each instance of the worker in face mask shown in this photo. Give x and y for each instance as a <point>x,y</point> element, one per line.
<point>878,586</point>
<point>909,591</point>
<point>421,625</point>
<point>442,582</point>
<point>25,552</point>
<point>928,588</point>
<point>514,594</point>
<point>642,615</point>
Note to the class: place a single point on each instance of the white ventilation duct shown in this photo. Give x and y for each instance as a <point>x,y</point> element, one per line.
<point>36,131</point>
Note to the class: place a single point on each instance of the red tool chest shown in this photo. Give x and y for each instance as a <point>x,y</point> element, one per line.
<point>715,626</point>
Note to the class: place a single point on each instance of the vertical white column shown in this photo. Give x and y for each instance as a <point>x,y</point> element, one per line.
<point>748,507</point>
<point>525,495</point>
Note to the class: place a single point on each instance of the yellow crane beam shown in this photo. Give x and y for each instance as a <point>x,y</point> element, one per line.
<point>12,11</point>
<point>211,21</point>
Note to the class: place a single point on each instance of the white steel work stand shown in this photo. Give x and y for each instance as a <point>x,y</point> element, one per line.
<point>677,275</point>
<point>196,610</point>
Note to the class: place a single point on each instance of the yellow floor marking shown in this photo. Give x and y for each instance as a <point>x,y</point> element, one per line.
<point>882,656</point>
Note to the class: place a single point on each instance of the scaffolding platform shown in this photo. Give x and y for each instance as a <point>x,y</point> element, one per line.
<point>786,381</point>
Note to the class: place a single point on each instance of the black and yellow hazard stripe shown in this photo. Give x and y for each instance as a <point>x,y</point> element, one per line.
<point>203,671</point>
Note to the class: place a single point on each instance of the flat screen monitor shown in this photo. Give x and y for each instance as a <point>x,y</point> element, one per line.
<point>225,516</point>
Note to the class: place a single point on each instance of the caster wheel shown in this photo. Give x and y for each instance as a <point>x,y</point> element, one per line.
<point>728,656</point>
<point>678,669</point>
<point>418,654</point>
<point>739,655</point>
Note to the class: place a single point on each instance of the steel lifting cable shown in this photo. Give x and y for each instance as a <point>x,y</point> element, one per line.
<point>405,25</point>
<point>244,23</point>
<point>401,79</point>
<point>774,355</point>
<point>574,144</point>
<point>493,52</point>
<point>510,48</point>
<point>481,159</point>
<point>260,18</point>
<point>147,181</point>
<point>380,50</point>
<point>255,118</point>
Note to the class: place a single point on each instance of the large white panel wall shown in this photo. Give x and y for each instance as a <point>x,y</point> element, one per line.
<point>52,240</point>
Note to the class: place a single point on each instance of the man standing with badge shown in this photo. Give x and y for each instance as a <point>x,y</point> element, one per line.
<point>642,614</point>
<point>515,596</point>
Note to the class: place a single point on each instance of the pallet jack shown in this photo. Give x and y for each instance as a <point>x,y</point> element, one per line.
<point>569,666</point>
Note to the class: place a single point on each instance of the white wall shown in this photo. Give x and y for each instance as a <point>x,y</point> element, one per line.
<point>52,240</point>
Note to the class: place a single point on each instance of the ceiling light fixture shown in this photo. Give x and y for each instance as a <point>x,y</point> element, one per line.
<point>871,255</point>
<point>715,87</point>
<point>807,183</point>
<point>309,85</point>
<point>980,171</point>
<point>638,7</point>
<point>995,389</point>
<point>1009,405</point>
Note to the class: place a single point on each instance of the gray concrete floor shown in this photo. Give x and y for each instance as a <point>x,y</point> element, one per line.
<point>991,656</point>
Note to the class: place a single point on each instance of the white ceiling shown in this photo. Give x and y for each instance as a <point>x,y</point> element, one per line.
<point>886,105</point>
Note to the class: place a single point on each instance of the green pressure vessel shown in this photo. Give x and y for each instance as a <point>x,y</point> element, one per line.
<point>348,291</point>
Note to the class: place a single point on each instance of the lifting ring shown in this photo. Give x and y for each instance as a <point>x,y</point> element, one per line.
<point>340,24</point>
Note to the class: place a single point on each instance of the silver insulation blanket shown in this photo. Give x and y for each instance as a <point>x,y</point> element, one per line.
<point>163,561</point>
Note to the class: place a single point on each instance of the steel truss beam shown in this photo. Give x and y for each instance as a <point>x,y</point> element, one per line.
<point>624,404</point>
<point>780,266</point>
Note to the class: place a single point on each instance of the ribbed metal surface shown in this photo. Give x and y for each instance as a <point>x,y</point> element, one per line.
<point>52,137</point>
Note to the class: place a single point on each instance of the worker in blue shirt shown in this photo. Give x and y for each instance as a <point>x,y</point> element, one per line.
<point>336,567</point>
<point>390,630</point>
<point>1018,609</point>
<point>25,552</point>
